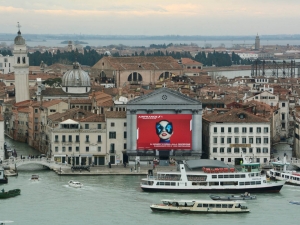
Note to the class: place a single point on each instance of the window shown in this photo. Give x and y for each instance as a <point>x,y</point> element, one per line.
<point>236,150</point>
<point>258,140</point>
<point>251,140</point>
<point>251,129</point>
<point>215,150</point>
<point>244,140</point>
<point>266,129</point>
<point>221,150</point>
<point>125,146</point>
<point>112,148</point>
<point>222,140</point>
<point>87,148</point>
<point>125,124</point>
<point>282,116</point>
<point>250,150</point>
<point>70,138</point>
<point>222,129</point>
<point>258,160</point>
<point>87,138</point>
<point>244,130</point>
<point>229,140</point>
<point>236,140</point>
<point>112,135</point>
<point>70,148</point>
<point>244,150</point>
<point>266,140</point>
<point>265,150</point>
<point>86,126</point>
<point>228,150</point>
<point>236,130</point>
<point>56,149</point>
<point>283,104</point>
<point>283,125</point>
<point>229,159</point>
<point>77,138</point>
<point>77,149</point>
<point>63,149</point>
<point>125,134</point>
<point>258,150</point>
<point>64,138</point>
<point>56,138</point>
<point>258,130</point>
<point>229,129</point>
<point>99,138</point>
<point>112,124</point>
<point>215,129</point>
<point>99,126</point>
<point>52,110</point>
<point>36,110</point>
<point>215,140</point>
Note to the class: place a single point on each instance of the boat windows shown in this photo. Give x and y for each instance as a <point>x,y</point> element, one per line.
<point>161,183</point>
<point>167,183</point>
<point>199,205</point>
<point>220,176</point>
<point>237,176</point>
<point>227,183</point>
<point>257,182</point>
<point>257,174</point>
<point>212,205</point>
<point>214,176</point>
<point>252,174</point>
<point>265,181</point>
<point>247,183</point>
<point>231,176</point>
<point>243,176</point>
<point>224,206</point>
<point>225,176</point>
<point>218,205</point>
<point>242,183</point>
<point>252,182</point>
<point>213,183</point>
<point>173,184</point>
<point>205,205</point>
<point>230,205</point>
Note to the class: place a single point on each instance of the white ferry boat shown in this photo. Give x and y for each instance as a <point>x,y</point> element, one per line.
<point>215,176</point>
<point>201,206</point>
<point>280,172</point>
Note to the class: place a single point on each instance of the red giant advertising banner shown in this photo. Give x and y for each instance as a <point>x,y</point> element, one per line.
<point>164,131</point>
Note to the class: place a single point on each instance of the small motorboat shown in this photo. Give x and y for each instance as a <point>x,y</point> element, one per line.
<point>245,196</point>
<point>295,202</point>
<point>10,193</point>
<point>75,184</point>
<point>35,177</point>
<point>201,206</point>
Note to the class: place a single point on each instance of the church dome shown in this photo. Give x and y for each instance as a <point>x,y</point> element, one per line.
<point>76,77</point>
<point>19,40</point>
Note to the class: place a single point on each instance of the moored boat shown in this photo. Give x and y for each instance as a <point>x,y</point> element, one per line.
<point>280,172</point>
<point>200,206</point>
<point>75,184</point>
<point>3,177</point>
<point>10,193</point>
<point>245,196</point>
<point>215,177</point>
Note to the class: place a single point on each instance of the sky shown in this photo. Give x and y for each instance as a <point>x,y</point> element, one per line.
<point>151,17</point>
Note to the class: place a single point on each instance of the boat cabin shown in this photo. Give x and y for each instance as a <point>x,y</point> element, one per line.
<point>251,167</point>
<point>34,177</point>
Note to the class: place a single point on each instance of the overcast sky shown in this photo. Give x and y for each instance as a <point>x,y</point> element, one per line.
<point>151,17</point>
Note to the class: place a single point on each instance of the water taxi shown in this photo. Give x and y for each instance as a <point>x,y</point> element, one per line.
<point>201,206</point>
<point>75,184</point>
<point>35,177</point>
<point>280,172</point>
<point>245,196</point>
<point>215,176</point>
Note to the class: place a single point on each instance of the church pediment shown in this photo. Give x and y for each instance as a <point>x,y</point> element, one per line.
<point>164,96</point>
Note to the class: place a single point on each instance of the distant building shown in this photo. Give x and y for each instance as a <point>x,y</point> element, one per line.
<point>6,64</point>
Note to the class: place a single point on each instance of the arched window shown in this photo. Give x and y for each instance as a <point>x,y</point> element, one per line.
<point>24,60</point>
<point>18,60</point>
<point>164,75</point>
<point>135,77</point>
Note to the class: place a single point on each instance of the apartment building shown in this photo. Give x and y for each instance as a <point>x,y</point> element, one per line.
<point>227,134</point>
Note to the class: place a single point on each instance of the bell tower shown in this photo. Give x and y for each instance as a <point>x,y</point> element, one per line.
<point>21,68</point>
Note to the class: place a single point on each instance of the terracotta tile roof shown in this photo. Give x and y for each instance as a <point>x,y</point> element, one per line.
<point>115,114</point>
<point>80,101</point>
<point>75,114</point>
<point>94,118</point>
<point>190,61</point>
<point>232,116</point>
<point>24,110</point>
<point>47,104</point>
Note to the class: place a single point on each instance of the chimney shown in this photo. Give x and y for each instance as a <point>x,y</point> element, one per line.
<point>69,101</point>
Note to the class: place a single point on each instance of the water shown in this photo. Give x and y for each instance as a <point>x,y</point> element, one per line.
<point>119,200</point>
<point>146,43</point>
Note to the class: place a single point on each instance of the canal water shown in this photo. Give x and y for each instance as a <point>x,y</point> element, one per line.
<point>119,200</point>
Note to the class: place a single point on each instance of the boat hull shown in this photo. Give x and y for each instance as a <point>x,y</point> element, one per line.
<point>10,194</point>
<point>3,181</point>
<point>266,189</point>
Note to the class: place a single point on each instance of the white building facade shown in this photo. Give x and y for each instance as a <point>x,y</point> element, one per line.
<point>6,64</point>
